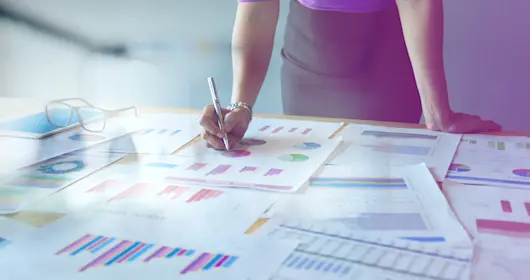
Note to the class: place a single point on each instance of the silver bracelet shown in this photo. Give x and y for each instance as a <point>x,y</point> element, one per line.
<point>243,105</point>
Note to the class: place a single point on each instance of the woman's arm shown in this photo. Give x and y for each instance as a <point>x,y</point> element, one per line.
<point>252,44</point>
<point>422,22</point>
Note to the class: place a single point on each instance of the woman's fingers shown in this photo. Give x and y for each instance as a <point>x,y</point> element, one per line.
<point>213,141</point>
<point>208,121</point>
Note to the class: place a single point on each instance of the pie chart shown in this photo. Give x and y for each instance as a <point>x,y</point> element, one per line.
<point>294,158</point>
<point>252,142</point>
<point>236,153</point>
<point>308,146</point>
<point>62,167</point>
<point>456,167</point>
<point>522,172</point>
<point>86,137</point>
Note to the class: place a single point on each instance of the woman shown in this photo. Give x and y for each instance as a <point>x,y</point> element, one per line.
<point>359,59</point>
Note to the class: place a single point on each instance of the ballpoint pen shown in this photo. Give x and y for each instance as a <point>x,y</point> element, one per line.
<point>218,110</point>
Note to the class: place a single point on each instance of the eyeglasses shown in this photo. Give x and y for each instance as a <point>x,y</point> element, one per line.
<point>60,113</point>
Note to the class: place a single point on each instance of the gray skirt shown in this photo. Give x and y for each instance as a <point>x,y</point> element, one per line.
<point>347,65</point>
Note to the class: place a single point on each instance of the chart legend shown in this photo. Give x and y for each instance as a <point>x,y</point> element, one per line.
<point>371,183</point>
<point>110,251</point>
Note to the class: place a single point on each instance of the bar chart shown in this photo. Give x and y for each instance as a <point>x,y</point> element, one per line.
<point>204,194</point>
<point>336,256</point>
<point>111,251</point>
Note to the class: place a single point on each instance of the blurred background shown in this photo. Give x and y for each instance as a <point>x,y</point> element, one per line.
<point>159,53</point>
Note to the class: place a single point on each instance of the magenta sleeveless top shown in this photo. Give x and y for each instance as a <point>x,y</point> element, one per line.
<point>354,6</point>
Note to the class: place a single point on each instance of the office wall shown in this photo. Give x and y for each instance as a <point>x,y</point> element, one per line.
<point>36,65</point>
<point>487,54</point>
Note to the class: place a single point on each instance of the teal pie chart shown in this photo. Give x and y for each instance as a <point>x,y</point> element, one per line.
<point>307,146</point>
<point>294,158</point>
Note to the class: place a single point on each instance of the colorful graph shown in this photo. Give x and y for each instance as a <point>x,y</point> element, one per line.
<point>105,186</point>
<point>273,171</point>
<point>348,182</point>
<point>506,206</point>
<point>161,165</point>
<point>248,169</point>
<point>112,251</point>
<point>236,153</point>
<point>300,260</point>
<point>252,142</point>
<point>62,167</point>
<point>86,137</point>
<point>203,195</point>
<point>136,190</point>
<point>276,130</point>
<point>159,131</point>
<point>522,172</point>
<point>308,146</point>
<point>40,181</point>
<point>507,228</point>
<point>385,221</point>
<point>401,149</point>
<point>456,167</point>
<point>398,135</point>
<point>196,166</point>
<point>220,169</point>
<point>174,191</point>
<point>4,243</point>
<point>294,158</point>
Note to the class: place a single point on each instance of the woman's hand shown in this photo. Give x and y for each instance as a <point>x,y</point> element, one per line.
<point>461,123</point>
<point>235,125</point>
